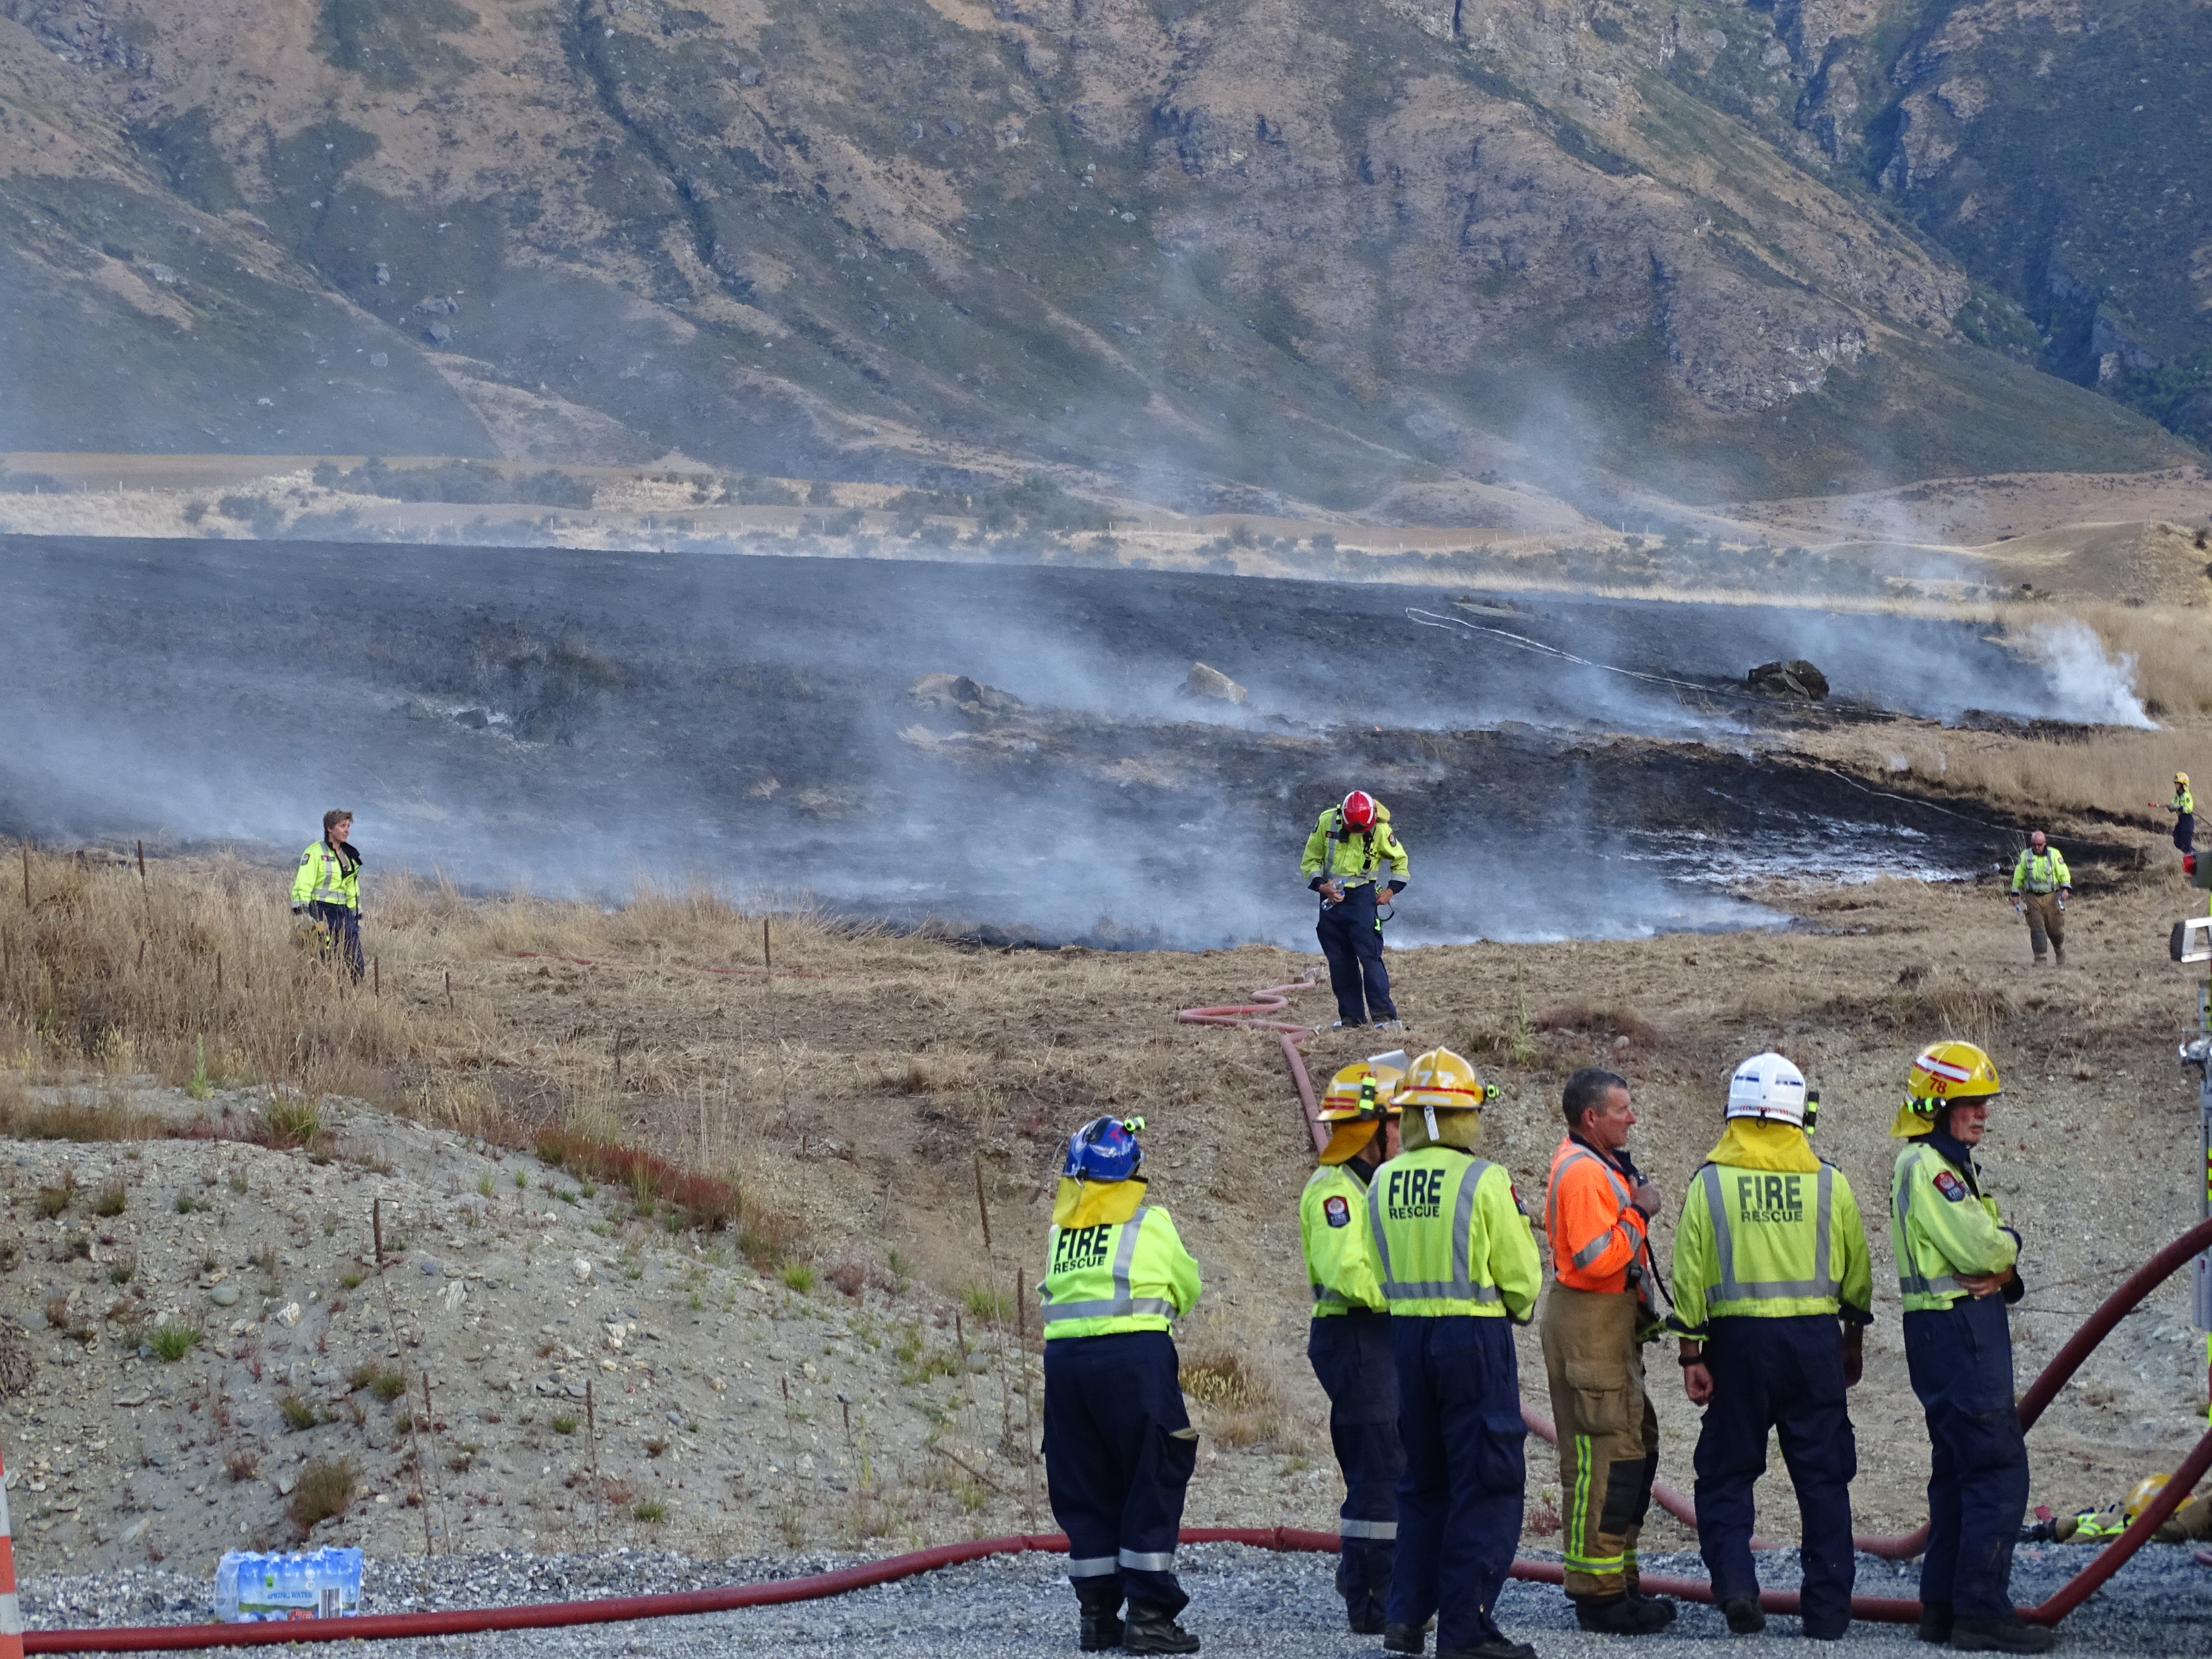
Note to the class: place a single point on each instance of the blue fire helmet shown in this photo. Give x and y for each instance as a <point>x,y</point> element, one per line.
<point>1105,1149</point>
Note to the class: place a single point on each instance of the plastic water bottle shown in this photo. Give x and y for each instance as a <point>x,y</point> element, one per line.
<point>251,1586</point>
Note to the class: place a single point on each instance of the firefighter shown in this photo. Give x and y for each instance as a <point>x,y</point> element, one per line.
<point>1349,1342</point>
<point>327,889</point>
<point>1459,1268</point>
<point>1352,846</point>
<point>1119,1447</point>
<point>1772,1295</point>
<point>1959,1269</point>
<point>1598,1315</point>
<point>2041,884</point>
<point>2184,808</point>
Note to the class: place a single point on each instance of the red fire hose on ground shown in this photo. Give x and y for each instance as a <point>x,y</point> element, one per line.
<point>2055,1375</point>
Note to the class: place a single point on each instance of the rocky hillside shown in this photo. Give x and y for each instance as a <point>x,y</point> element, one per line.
<point>1244,253</point>
<point>201,1352</point>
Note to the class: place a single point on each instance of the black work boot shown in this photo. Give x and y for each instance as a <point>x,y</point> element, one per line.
<point>2007,1633</point>
<point>1153,1629</point>
<point>1744,1615</point>
<point>1936,1621</point>
<point>1622,1615</point>
<point>1405,1638</point>
<point>1101,1631</point>
<point>1364,1613</point>
<point>1102,1620</point>
<point>1499,1646</point>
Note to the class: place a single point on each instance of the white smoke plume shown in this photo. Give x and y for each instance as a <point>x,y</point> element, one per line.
<point>2092,686</point>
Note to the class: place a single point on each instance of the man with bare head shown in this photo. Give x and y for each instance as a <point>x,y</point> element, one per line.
<point>2041,887</point>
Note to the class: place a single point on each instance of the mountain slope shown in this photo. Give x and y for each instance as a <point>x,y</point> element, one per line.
<point>1234,253</point>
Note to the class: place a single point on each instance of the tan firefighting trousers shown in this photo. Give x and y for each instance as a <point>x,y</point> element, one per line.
<point>2045,920</point>
<point>1608,1435</point>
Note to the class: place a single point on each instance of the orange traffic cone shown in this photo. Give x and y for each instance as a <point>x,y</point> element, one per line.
<point>11,1610</point>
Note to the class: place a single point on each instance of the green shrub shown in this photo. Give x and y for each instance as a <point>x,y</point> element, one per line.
<point>112,1199</point>
<point>288,1121</point>
<point>297,1413</point>
<point>173,1340</point>
<point>989,1302</point>
<point>798,1276</point>
<point>385,1381</point>
<point>564,1424</point>
<point>650,1511</point>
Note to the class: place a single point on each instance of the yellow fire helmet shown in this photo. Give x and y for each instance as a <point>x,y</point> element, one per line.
<point>1442,1081</point>
<point>2146,1489</point>
<point>1942,1074</point>
<point>1359,1098</point>
<point>2182,778</point>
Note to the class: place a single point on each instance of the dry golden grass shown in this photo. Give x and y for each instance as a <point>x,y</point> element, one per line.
<point>2115,774</point>
<point>2171,646</point>
<point>189,966</point>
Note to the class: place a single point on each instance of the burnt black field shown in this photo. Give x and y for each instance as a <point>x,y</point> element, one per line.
<point>578,721</point>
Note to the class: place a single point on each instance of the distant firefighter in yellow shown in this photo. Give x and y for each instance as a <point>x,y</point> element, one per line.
<point>2040,884</point>
<point>327,889</point>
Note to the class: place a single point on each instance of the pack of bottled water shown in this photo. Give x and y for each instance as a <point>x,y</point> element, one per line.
<point>251,1586</point>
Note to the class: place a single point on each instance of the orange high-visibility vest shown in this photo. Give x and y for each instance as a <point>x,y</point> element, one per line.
<point>1596,1234</point>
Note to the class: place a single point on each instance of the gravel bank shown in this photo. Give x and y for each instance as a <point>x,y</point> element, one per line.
<point>1245,1601</point>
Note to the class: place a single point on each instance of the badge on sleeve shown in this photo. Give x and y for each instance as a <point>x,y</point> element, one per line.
<point>1950,1185</point>
<point>1338,1212</point>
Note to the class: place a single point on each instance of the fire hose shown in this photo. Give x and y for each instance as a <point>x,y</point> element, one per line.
<point>2054,1376</point>
<point>776,1592</point>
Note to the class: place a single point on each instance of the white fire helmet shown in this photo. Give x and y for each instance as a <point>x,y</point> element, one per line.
<point>1766,1085</point>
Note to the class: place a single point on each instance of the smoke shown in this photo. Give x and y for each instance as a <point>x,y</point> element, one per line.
<point>574,722</point>
<point>2094,688</point>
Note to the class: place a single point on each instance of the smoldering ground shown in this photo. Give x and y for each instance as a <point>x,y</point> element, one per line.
<point>574,722</point>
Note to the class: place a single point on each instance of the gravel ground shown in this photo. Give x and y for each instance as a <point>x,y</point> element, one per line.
<point>1244,1601</point>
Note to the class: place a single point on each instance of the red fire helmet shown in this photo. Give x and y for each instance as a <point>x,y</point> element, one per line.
<point>1359,810</point>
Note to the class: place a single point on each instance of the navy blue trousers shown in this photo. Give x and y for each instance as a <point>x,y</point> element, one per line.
<point>1785,1376</point>
<point>2185,832</point>
<point>1352,1355</point>
<point>1118,1451</point>
<point>343,938</point>
<point>1352,939</point>
<point>1459,1500</point>
<point>1960,1361</point>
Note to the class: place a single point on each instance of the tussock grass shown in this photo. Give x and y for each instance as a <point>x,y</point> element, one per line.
<point>326,1489</point>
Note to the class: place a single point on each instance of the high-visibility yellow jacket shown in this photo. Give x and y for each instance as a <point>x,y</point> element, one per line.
<point>1449,1238</point>
<point>1333,1227</point>
<point>1113,1263</point>
<point>1596,1234</point>
<point>2183,803</point>
<point>1940,1226</point>
<point>326,879</point>
<point>2040,873</point>
<point>1769,1244</point>
<point>1336,849</point>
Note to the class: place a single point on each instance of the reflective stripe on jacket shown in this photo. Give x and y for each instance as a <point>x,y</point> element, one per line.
<point>1940,1226</point>
<point>1332,1229</point>
<point>2183,803</point>
<point>1596,1234</point>
<point>2043,872</point>
<point>1449,1238</point>
<point>1111,1276</point>
<point>1336,850</point>
<point>1765,1245</point>
<point>324,878</point>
